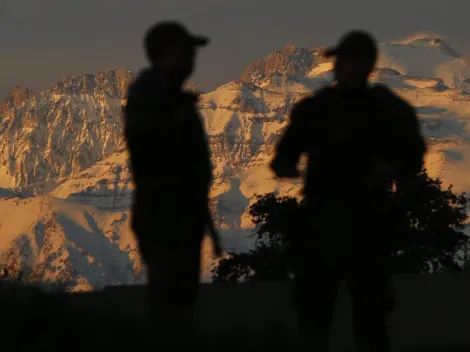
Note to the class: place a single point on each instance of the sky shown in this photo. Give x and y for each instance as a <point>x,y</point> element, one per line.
<point>42,41</point>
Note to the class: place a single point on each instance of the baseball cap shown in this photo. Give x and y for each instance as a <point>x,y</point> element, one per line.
<point>355,44</point>
<point>167,33</point>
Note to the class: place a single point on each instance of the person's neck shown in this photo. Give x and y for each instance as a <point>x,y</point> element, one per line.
<point>174,81</point>
<point>358,86</point>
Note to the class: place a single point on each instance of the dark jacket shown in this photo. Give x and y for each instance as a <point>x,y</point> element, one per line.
<point>168,147</point>
<point>345,135</point>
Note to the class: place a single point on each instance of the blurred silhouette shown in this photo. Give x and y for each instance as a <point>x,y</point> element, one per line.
<point>368,133</point>
<point>171,168</point>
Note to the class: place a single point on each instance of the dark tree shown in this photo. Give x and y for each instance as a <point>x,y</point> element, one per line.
<point>269,261</point>
<point>429,227</point>
<point>426,223</point>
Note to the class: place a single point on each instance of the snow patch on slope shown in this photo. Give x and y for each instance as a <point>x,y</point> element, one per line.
<point>455,73</point>
<point>107,184</point>
<point>416,56</point>
<point>321,69</point>
<point>54,240</point>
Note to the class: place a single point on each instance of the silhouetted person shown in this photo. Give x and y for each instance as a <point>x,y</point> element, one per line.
<point>358,137</point>
<point>171,168</point>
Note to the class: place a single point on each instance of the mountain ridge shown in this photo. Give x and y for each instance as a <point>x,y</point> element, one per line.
<point>63,148</point>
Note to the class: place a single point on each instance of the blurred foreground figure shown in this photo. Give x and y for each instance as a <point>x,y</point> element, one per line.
<point>358,138</point>
<point>171,169</point>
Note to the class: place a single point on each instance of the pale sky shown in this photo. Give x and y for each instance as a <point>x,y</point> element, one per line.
<point>44,40</point>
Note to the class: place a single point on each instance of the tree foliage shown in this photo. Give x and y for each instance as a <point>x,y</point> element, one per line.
<point>427,223</point>
<point>430,228</point>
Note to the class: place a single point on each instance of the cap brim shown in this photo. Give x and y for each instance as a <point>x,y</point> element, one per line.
<point>331,52</point>
<point>198,40</point>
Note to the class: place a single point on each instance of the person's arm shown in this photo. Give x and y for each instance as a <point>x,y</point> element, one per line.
<point>292,143</point>
<point>148,125</point>
<point>410,146</point>
<point>407,143</point>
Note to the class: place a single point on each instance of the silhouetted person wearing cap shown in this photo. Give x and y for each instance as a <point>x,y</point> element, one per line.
<point>171,168</point>
<point>358,137</point>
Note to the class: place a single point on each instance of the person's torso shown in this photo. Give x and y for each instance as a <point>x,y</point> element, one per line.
<point>349,137</point>
<point>170,145</point>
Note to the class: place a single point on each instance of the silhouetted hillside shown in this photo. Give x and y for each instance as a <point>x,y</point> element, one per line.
<point>432,311</point>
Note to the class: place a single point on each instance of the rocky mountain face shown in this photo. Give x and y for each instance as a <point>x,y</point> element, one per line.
<point>47,239</point>
<point>49,136</point>
<point>285,70</point>
<point>289,61</point>
<point>64,242</point>
<point>65,183</point>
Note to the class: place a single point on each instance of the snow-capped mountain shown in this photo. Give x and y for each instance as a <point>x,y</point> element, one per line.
<point>417,56</point>
<point>65,183</point>
<point>59,240</point>
<point>47,137</point>
<point>55,240</point>
<point>286,70</point>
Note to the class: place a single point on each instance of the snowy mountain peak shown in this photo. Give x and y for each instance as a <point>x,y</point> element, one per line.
<point>113,83</point>
<point>17,96</point>
<point>416,56</point>
<point>192,87</point>
<point>430,41</point>
<point>59,132</point>
<point>288,48</point>
<point>286,62</point>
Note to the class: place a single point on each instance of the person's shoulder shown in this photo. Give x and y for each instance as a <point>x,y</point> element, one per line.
<point>313,99</point>
<point>397,108</point>
<point>389,97</point>
<point>190,97</point>
<point>322,93</point>
<point>147,87</point>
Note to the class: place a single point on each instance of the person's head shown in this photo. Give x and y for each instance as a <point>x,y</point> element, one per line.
<point>356,55</point>
<point>170,47</point>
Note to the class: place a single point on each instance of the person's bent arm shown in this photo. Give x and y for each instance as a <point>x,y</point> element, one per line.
<point>411,146</point>
<point>291,145</point>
